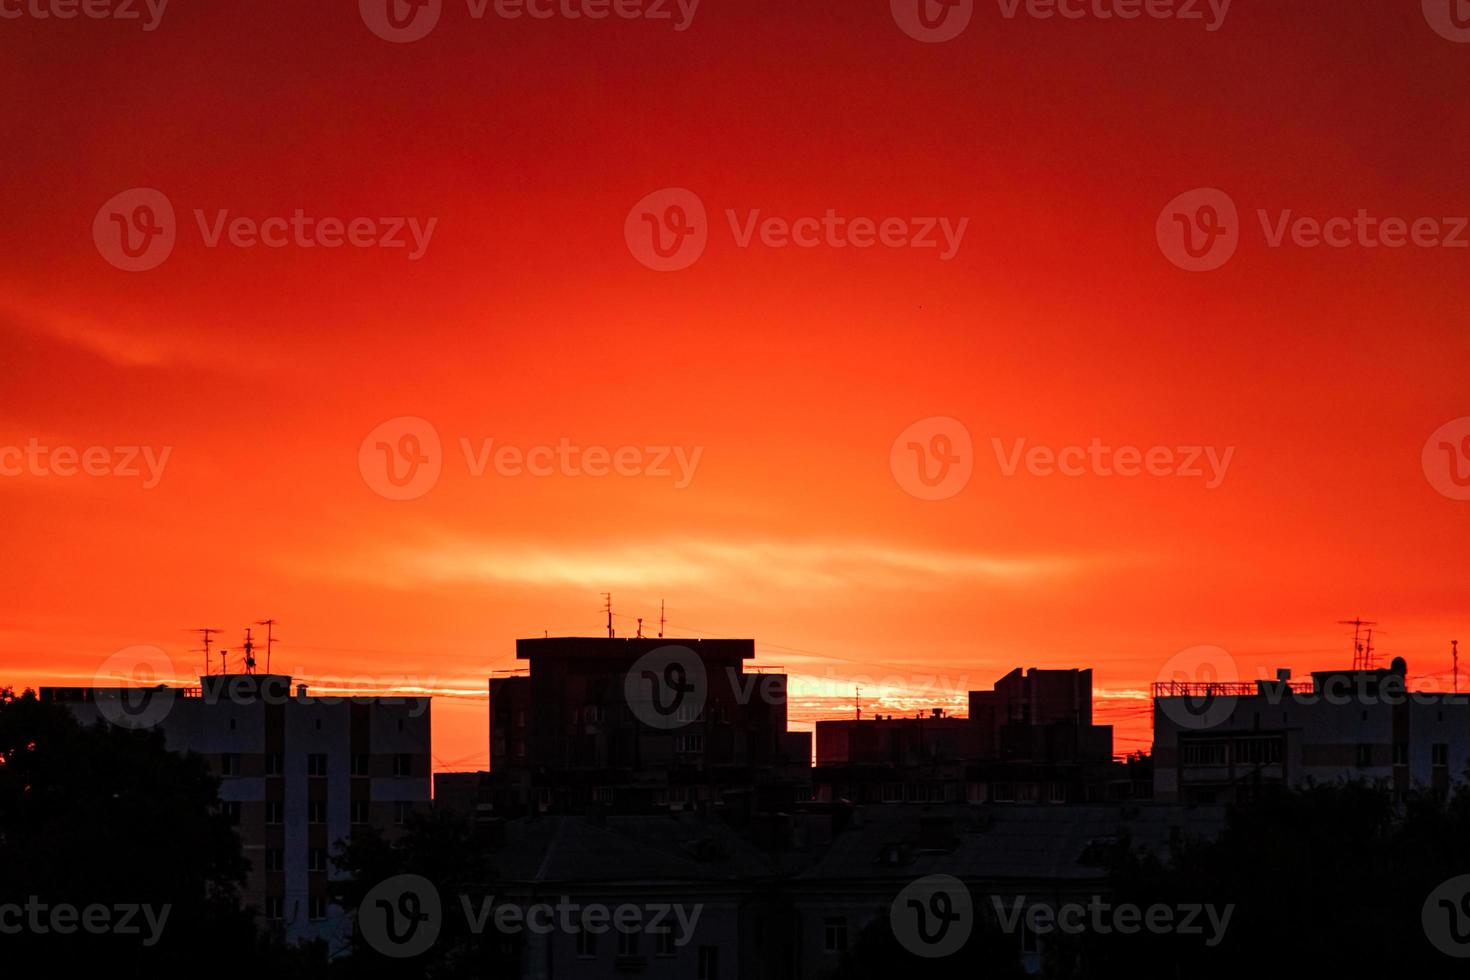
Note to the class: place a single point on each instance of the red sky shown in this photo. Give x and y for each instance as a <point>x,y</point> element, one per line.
<point>527,320</point>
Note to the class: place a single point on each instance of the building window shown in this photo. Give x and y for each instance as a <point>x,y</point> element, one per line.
<point>316,811</point>
<point>627,943</point>
<point>709,963</point>
<point>403,764</point>
<point>688,743</point>
<point>592,714</point>
<point>232,812</point>
<point>1257,751</point>
<point>602,794</point>
<point>520,719</point>
<point>401,812</point>
<point>359,764</point>
<point>666,942</point>
<point>275,763</point>
<point>275,859</point>
<point>1365,756</point>
<point>275,908</point>
<point>1401,753</point>
<point>1004,793</point>
<point>586,944</point>
<point>688,713</point>
<point>316,764</point>
<point>893,792</point>
<point>229,764</point>
<point>316,908</point>
<point>275,811</point>
<point>316,859</point>
<point>1439,754</point>
<point>834,935</point>
<point>359,811</point>
<point>1203,753</point>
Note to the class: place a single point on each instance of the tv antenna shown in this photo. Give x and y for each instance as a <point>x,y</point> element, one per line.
<point>857,701</point>
<point>1455,659</point>
<point>206,632</point>
<point>640,628</point>
<point>607,604</point>
<point>1362,654</point>
<point>270,627</point>
<point>660,619</point>
<point>249,652</point>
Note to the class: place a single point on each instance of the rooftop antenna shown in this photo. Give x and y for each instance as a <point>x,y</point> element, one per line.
<point>224,661</point>
<point>640,628</point>
<point>1368,661</point>
<point>857,700</point>
<point>660,619</point>
<point>206,632</point>
<point>249,652</point>
<point>607,604</point>
<point>1359,660</point>
<point>270,628</point>
<point>1455,658</point>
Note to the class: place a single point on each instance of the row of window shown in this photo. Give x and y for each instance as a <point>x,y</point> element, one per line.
<point>1268,751</point>
<point>316,811</point>
<point>630,944</point>
<point>316,764</point>
<point>275,908</point>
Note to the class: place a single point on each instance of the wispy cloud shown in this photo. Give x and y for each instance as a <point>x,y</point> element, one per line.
<point>712,563</point>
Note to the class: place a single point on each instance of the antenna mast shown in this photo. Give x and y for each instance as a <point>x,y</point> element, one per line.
<point>270,627</point>
<point>607,604</point>
<point>1455,658</point>
<point>206,632</point>
<point>249,652</point>
<point>857,700</point>
<point>660,619</point>
<point>1362,658</point>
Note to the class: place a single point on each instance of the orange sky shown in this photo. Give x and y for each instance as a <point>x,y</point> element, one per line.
<point>527,320</point>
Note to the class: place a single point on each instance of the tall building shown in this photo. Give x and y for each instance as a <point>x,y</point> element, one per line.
<point>1226,742</point>
<point>298,774</point>
<point>638,723</point>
